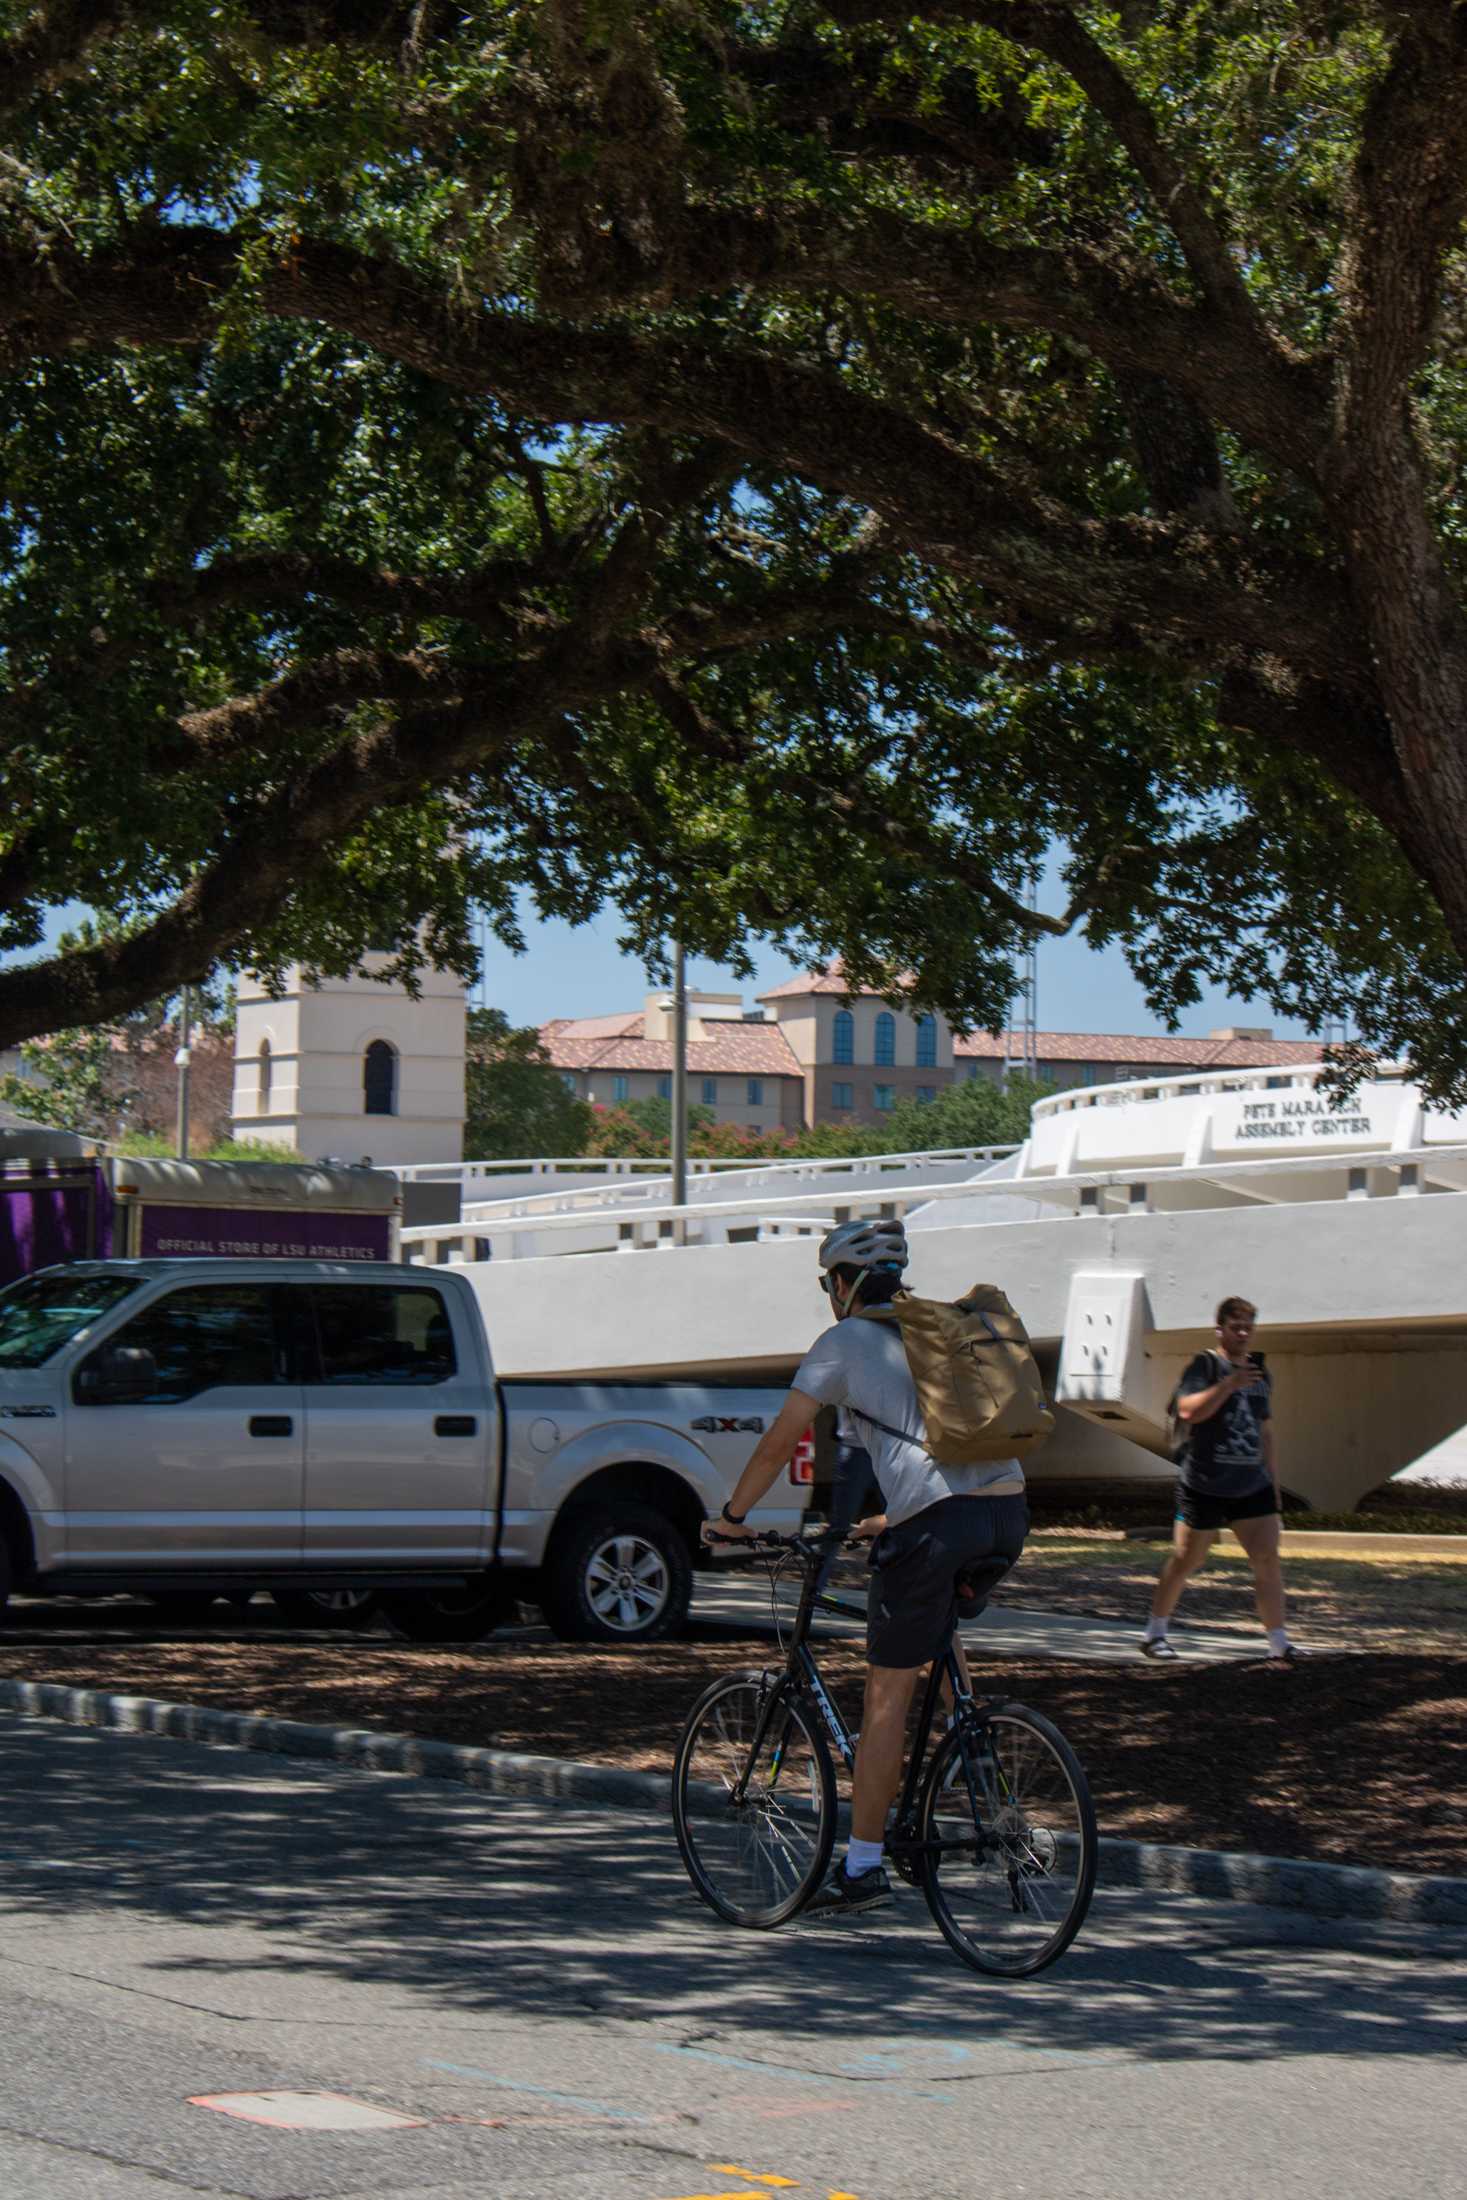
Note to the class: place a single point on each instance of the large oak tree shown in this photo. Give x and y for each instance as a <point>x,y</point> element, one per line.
<point>779,466</point>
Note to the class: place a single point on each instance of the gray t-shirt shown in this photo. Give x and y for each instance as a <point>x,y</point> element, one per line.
<point>862,1365</point>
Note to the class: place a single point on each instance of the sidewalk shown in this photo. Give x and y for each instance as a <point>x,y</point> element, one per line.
<point>743,1602</point>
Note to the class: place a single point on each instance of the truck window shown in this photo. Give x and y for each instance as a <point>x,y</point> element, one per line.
<point>42,1313</point>
<point>373,1335</point>
<point>204,1338</point>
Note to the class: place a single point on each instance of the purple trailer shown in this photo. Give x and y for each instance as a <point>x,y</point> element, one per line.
<point>67,1205</point>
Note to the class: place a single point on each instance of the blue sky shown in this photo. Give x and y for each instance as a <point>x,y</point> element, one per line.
<point>581,971</point>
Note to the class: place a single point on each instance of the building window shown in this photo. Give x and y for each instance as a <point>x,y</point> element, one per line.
<point>1089,1073</point>
<point>845,1036</point>
<point>884,1096</point>
<point>619,1088</point>
<point>568,1079</point>
<point>842,1096</point>
<point>379,1079</point>
<point>926,1042</point>
<point>664,1088</point>
<point>710,1092</point>
<point>885,1039</point>
<point>267,1075</point>
<point>973,1070</point>
<point>926,1093</point>
<point>756,1092</point>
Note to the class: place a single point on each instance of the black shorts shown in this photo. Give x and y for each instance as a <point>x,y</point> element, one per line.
<point>1197,1511</point>
<point>936,1568</point>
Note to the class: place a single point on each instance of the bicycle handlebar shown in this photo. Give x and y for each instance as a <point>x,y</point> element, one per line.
<point>807,1547</point>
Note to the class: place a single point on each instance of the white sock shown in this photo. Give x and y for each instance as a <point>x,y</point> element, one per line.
<point>1278,1640</point>
<point>861,1855</point>
<point>1155,1629</point>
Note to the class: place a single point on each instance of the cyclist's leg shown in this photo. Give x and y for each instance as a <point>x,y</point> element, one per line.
<point>880,1750</point>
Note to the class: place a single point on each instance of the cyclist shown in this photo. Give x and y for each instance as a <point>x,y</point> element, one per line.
<point>947,1532</point>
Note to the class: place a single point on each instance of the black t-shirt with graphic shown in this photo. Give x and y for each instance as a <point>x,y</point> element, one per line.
<point>1223,1455</point>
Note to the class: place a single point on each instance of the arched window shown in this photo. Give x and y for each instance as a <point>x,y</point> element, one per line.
<point>267,1074</point>
<point>885,1039</point>
<point>926,1042</point>
<point>845,1036</point>
<point>379,1079</point>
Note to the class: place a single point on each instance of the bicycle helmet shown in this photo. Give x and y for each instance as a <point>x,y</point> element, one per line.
<point>878,1243</point>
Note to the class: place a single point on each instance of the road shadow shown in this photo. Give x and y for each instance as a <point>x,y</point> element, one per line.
<point>524,1911</point>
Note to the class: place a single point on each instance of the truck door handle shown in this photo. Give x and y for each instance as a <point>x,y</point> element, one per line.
<point>456,1424</point>
<point>271,1424</point>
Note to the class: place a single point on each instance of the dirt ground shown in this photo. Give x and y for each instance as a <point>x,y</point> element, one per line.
<point>1359,1756</point>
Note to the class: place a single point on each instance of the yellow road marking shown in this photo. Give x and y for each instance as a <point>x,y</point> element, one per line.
<point>758,2177</point>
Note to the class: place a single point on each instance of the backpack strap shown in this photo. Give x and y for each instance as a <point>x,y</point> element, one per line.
<point>902,1435</point>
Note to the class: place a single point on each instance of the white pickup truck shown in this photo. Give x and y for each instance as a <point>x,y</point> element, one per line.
<point>187,1428</point>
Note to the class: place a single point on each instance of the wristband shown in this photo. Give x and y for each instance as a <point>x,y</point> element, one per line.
<point>735,1520</point>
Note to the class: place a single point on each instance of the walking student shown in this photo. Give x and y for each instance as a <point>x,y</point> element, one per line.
<point>1228,1478</point>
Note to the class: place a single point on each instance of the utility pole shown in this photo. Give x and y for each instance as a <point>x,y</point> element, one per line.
<point>679,1089</point>
<point>181,1063</point>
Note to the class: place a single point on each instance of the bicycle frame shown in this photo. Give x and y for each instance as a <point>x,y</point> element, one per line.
<point>803,1675</point>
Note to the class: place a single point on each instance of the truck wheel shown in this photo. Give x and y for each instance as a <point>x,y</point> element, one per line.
<point>5,1578</point>
<point>449,1615</point>
<point>325,1607</point>
<point>617,1573</point>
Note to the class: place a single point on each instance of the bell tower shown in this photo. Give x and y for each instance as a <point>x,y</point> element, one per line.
<point>352,1066</point>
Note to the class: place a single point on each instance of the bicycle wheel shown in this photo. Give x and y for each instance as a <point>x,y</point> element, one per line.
<point>755,1832</point>
<point>1011,1881</point>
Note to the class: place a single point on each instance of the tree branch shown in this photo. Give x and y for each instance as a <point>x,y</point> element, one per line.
<point>1408,198</point>
<point>1183,597</point>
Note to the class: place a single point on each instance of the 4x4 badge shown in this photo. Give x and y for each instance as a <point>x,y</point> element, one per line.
<point>715,1424</point>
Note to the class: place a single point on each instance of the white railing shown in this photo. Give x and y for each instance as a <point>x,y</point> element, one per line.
<point>1136,1191</point>
<point>1188,1083</point>
<point>603,1193</point>
<point>613,1165</point>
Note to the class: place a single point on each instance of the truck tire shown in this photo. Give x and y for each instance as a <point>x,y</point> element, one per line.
<point>6,1576</point>
<point>617,1572</point>
<point>449,1615</point>
<point>325,1607</point>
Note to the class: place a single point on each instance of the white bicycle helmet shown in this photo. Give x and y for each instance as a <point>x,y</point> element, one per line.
<point>878,1243</point>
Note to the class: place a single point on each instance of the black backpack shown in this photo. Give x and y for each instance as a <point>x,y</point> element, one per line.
<point>1178,1431</point>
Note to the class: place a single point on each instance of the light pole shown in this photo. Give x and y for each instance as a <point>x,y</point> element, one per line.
<point>181,1062</point>
<point>679,1090</point>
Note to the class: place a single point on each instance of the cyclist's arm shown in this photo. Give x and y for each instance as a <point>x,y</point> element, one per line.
<point>770,1457</point>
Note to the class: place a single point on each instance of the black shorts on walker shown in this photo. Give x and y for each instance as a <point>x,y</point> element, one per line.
<point>936,1568</point>
<point>1197,1511</point>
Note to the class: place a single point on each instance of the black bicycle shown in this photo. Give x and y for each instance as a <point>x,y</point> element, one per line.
<point>994,1822</point>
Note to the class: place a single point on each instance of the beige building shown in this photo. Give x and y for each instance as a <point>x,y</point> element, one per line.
<point>739,1065</point>
<point>352,1067</point>
<point>861,1056</point>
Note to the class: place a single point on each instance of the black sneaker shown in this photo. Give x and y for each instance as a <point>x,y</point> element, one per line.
<point>839,1895</point>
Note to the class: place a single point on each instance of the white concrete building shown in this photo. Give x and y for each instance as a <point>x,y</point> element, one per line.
<point>1127,1215</point>
<point>353,1067</point>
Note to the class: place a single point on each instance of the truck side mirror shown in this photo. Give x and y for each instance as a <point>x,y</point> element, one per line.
<point>117,1375</point>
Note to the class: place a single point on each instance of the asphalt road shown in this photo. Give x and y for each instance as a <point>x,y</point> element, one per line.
<point>525,2002</point>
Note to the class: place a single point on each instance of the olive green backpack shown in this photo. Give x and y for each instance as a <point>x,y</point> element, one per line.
<point>977,1385</point>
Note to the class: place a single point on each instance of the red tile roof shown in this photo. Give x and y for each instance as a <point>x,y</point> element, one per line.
<point>736,1049</point>
<point>831,979</point>
<point>1152,1052</point>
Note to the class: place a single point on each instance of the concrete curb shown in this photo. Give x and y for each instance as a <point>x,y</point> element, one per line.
<point>1324,1890</point>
